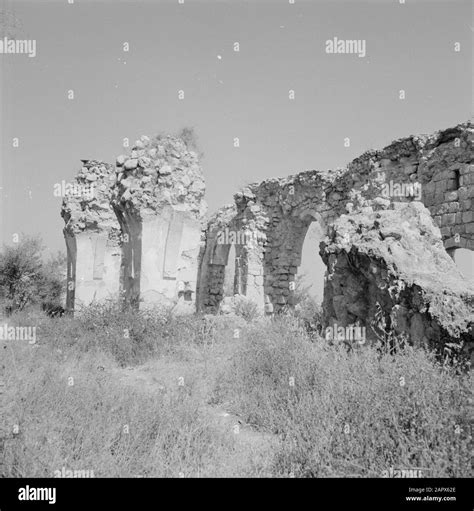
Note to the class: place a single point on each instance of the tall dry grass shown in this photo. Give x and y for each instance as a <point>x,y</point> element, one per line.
<point>63,409</point>
<point>330,413</point>
<point>350,414</point>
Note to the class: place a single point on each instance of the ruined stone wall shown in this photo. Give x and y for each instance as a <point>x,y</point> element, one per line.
<point>158,200</point>
<point>92,236</point>
<point>442,164</point>
<point>214,259</point>
<point>279,211</point>
<point>140,235</point>
<point>241,225</point>
<point>137,236</point>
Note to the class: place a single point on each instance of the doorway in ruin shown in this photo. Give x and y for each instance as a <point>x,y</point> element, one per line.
<point>234,269</point>
<point>464,259</point>
<point>293,270</point>
<point>229,273</point>
<point>309,283</point>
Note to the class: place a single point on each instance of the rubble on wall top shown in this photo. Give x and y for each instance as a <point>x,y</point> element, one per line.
<point>417,144</point>
<point>160,171</point>
<point>222,216</point>
<point>88,207</point>
<point>412,146</point>
<point>93,170</point>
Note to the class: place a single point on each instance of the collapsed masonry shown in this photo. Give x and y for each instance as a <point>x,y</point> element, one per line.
<point>156,193</point>
<point>278,212</point>
<point>274,217</point>
<point>387,271</point>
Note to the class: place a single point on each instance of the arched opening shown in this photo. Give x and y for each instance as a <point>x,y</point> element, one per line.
<point>311,272</point>
<point>229,275</point>
<point>457,179</point>
<point>464,259</point>
<point>309,289</point>
<point>287,284</point>
<point>223,270</point>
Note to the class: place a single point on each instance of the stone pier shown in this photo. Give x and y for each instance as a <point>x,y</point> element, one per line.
<point>158,198</point>
<point>92,236</point>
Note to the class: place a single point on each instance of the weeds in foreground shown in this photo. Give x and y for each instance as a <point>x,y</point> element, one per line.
<point>73,415</point>
<point>332,413</point>
<point>350,414</point>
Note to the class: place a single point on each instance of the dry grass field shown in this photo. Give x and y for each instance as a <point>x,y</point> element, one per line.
<point>149,394</point>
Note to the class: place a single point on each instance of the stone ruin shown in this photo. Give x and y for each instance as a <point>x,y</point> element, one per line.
<point>387,271</point>
<point>158,198</point>
<point>137,237</point>
<point>391,217</point>
<point>92,235</point>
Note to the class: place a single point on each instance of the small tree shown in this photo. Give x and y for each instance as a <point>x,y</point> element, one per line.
<point>53,278</point>
<point>307,307</point>
<point>301,292</point>
<point>25,278</point>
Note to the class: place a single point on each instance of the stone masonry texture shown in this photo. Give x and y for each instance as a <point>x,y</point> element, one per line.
<point>410,201</point>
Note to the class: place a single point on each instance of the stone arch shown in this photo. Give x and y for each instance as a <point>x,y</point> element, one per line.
<point>436,171</point>
<point>310,214</point>
<point>230,273</point>
<point>283,258</point>
<point>312,268</point>
<point>221,241</point>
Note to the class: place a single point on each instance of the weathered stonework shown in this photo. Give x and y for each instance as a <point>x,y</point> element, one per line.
<point>279,211</point>
<point>156,193</point>
<point>158,200</point>
<point>214,258</point>
<point>92,236</point>
<point>443,164</point>
<point>387,271</point>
